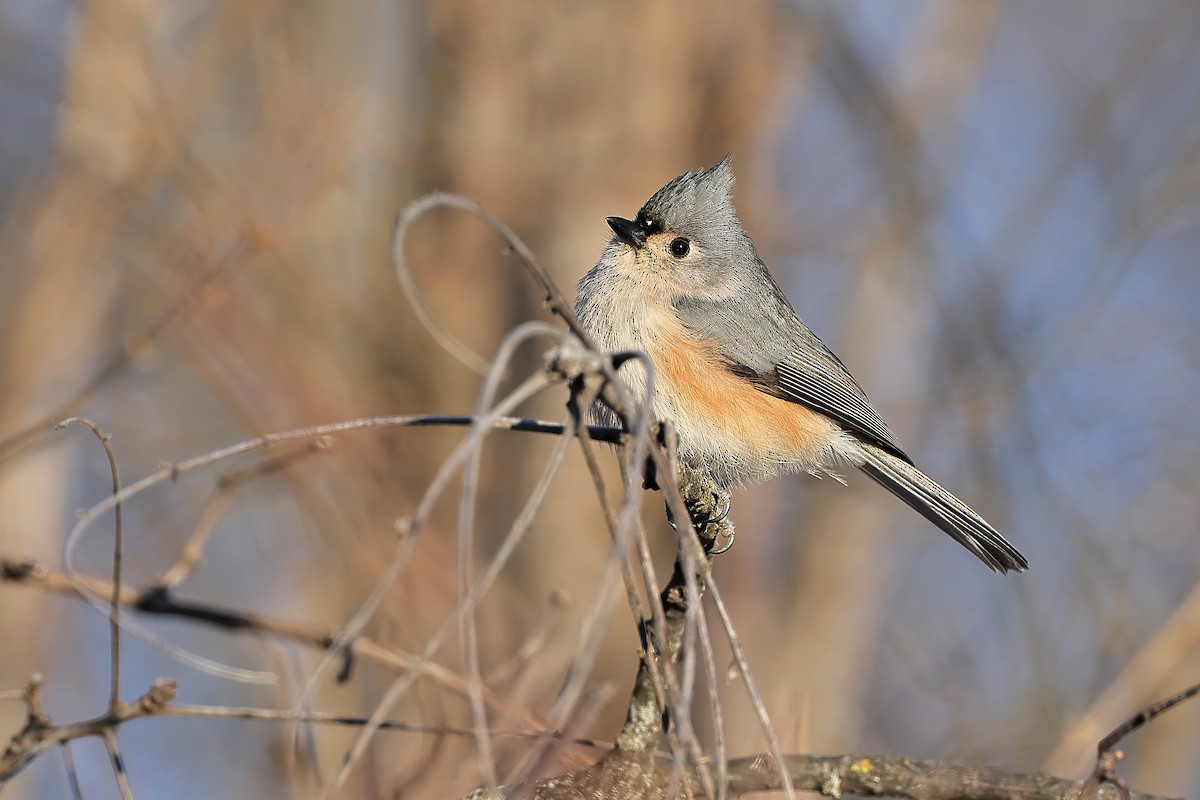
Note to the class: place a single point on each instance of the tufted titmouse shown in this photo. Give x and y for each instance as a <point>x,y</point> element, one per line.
<point>751,390</point>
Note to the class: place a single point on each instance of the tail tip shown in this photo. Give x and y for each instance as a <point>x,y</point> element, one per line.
<point>1006,561</point>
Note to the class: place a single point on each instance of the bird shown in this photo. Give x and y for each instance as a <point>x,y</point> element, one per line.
<point>750,389</point>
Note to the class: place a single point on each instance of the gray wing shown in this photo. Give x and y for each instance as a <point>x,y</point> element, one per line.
<point>763,341</point>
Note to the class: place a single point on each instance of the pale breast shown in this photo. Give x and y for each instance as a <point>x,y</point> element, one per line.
<point>726,426</point>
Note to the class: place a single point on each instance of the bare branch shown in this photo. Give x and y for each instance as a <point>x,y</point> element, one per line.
<point>159,601</point>
<point>114,604</point>
<point>873,776</point>
<point>1107,756</point>
<point>72,772</point>
<point>401,685</point>
<point>192,552</point>
<point>174,471</point>
<point>466,527</point>
<point>642,775</point>
<point>118,762</point>
<point>39,734</point>
<point>555,300</point>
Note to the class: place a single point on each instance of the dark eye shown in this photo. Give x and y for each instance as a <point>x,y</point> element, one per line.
<point>680,247</point>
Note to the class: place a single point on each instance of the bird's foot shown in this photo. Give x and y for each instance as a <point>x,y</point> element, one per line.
<point>723,511</point>
<point>728,543</point>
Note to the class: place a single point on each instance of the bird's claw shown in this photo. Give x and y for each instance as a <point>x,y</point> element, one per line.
<point>716,551</point>
<point>723,512</point>
<point>716,519</point>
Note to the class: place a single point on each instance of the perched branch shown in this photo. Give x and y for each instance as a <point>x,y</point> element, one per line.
<point>646,719</point>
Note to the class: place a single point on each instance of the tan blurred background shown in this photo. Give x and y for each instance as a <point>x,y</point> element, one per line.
<point>989,210</point>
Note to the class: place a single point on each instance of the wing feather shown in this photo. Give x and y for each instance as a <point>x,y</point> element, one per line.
<point>767,344</point>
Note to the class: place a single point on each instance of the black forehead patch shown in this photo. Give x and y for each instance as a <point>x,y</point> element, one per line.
<point>649,224</point>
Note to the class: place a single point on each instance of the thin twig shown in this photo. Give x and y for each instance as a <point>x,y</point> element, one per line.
<point>349,720</point>
<point>72,773</point>
<point>39,734</point>
<point>681,608</point>
<point>638,425</point>
<point>692,556</point>
<point>400,686</point>
<point>1144,716</point>
<point>155,600</point>
<point>114,602</point>
<point>760,709</point>
<point>637,417</point>
<point>172,472</point>
<point>466,524</point>
<point>555,300</point>
<point>711,678</point>
<point>584,714</point>
<point>582,394</point>
<point>192,552</point>
<point>698,539</point>
<point>1140,674</point>
<point>1107,754</point>
<point>109,735</point>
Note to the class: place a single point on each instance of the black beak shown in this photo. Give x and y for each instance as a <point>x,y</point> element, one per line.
<point>627,231</point>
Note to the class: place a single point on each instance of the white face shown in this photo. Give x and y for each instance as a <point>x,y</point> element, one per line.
<point>666,260</point>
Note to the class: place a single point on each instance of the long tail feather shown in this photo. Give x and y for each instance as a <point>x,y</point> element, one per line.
<point>942,509</point>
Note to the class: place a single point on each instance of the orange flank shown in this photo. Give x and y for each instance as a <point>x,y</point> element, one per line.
<point>705,390</point>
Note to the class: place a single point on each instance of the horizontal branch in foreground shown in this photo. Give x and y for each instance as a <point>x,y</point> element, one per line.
<point>621,774</point>
<point>159,601</point>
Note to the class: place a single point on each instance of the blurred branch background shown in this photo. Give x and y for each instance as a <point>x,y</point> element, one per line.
<point>990,210</point>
